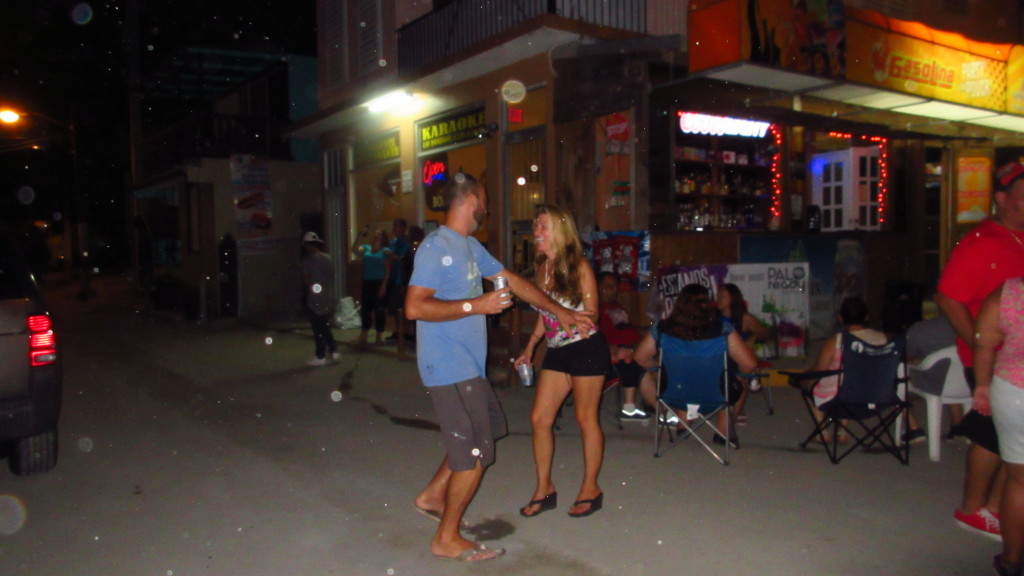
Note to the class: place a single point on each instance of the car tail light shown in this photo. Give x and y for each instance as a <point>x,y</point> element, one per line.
<point>42,343</point>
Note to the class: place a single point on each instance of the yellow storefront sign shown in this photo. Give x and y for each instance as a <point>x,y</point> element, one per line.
<point>1015,81</point>
<point>922,68</point>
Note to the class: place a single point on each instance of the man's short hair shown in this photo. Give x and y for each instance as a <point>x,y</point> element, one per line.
<point>460,186</point>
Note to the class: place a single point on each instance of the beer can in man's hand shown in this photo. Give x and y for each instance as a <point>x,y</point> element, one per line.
<point>501,284</point>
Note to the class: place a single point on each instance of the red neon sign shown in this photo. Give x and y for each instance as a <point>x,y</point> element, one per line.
<point>433,171</point>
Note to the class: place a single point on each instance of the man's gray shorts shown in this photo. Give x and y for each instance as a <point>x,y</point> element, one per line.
<point>471,420</point>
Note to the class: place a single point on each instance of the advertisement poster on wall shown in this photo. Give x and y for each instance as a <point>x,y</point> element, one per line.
<point>973,189</point>
<point>626,253</point>
<point>250,186</point>
<point>613,181</point>
<point>776,293</point>
<point>837,270</point>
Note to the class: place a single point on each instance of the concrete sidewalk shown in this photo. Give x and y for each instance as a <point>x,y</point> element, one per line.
<point>774,510</point>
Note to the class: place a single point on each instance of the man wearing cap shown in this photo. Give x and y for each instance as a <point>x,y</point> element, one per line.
<point>318,279</point>
<point>987,256</point>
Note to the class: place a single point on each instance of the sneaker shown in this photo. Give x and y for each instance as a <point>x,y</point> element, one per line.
<point>755,384</point>
<point>335,356</point>
<point>670,419</point>
<point>1004,568</point>
<point>633,414</point>
<point>982,522</point>
<point>317,362</point>
<point>915,436</point>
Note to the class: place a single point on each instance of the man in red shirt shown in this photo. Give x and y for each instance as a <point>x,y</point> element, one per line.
<point>622,339</point>
<point>987,256</point>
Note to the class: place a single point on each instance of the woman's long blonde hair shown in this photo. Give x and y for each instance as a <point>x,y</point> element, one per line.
<point>565,243</point>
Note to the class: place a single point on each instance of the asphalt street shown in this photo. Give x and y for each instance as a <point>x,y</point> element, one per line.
<point>213,449</point>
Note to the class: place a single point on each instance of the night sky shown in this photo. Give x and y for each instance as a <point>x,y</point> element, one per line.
<point>68,60</point>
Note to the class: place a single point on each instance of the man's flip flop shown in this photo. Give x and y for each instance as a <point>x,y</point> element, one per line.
<point>479,553</point>
<point>436,516</point>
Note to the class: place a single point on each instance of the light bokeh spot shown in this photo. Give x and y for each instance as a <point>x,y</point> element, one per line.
<point>12,514</point>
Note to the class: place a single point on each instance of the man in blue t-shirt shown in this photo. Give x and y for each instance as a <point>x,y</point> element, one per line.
<point>446,298</point>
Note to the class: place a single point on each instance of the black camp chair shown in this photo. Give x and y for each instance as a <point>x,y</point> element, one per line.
<point>871,398</point>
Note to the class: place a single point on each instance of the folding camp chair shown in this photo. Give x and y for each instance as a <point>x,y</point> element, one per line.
<point>693,392</point>
<point>872,393</point>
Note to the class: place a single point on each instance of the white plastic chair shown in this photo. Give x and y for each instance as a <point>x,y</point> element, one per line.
<point>954,391</point>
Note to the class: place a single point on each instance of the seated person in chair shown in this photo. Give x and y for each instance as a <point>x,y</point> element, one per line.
<point>622,339</point>
<point>853,314</point>
<point>692,318</point>
<point>733,308</point>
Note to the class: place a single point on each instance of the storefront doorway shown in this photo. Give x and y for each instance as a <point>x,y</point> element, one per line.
<point>525,189</point>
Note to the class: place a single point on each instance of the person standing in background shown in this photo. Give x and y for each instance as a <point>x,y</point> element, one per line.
<point>318,280</point>
<point>376,275</point>
<point>400,249</point>
<point>991,253</point>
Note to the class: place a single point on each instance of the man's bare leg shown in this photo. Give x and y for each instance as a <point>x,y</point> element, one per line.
<point>433,496</point>
<point>448,541</point>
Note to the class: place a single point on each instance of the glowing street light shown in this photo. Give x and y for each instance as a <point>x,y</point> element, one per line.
<point>80,240</point>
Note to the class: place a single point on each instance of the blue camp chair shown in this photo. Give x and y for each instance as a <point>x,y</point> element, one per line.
<point>692,393</point>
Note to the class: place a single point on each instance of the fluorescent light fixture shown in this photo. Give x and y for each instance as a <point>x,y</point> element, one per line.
<point>1002,121</point>
<point>843,92</point>
<point>767,77</point>
<point>389,101</point>
<point>945,111</point>
<point>885,100</point>
<point>867,96</point>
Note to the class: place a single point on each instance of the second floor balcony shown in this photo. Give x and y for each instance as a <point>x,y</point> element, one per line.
<point>457,28</point>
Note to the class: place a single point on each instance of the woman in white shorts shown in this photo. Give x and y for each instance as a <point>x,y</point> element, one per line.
<point>999,370</point>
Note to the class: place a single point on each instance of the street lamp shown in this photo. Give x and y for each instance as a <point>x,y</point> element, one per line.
<point>79,240</point>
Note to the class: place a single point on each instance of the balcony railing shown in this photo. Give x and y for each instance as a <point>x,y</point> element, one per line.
<point>464,23</point>
<point>210,136</point>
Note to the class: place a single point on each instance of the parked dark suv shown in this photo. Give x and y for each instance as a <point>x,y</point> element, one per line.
<point>30,371</point>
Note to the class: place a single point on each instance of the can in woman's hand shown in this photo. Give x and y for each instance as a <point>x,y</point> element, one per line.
<point>526,374</point>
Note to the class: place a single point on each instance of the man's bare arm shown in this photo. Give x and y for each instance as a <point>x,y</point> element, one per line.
<point>528,292</point>
<point>420,304</point>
